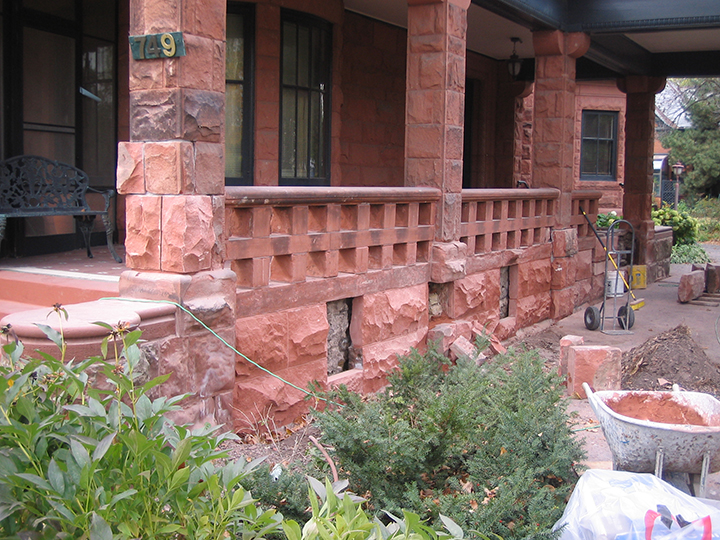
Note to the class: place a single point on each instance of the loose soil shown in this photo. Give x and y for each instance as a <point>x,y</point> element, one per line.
<point>672,357</point>
<point>656,408</point>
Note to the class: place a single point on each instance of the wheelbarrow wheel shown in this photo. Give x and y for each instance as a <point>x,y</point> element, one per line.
<point>626,314</point>
<point>592,318</point>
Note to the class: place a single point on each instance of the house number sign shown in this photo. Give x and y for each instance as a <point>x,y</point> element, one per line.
<point>149,46</point>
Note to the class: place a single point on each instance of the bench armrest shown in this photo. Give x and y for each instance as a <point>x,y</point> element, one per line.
<point>107,194</point>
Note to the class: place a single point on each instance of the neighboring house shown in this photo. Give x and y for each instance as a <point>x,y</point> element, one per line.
<point>327,183</point>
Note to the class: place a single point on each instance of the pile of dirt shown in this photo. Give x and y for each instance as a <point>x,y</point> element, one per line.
<point>672,357</point>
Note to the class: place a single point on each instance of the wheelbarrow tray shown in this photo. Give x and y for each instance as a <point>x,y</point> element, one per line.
<point>635,442</point>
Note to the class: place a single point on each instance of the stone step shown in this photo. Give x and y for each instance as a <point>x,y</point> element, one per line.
<point>22,290</point>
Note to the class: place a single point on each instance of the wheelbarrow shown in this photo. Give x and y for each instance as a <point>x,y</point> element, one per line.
<point>675,435</point>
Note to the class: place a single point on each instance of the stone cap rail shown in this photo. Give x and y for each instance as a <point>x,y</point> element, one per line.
<point>499,219</point>
<point>290,234</point>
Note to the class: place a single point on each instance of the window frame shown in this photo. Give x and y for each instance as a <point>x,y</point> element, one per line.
<point>247,145</point>
<point>322,26</point>
<point>596,176</point>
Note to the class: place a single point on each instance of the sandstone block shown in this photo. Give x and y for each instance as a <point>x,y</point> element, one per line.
<point>476,293</point>
<point>187,233</point>
<point>170,355</point>
<point>210,160</point>
<point>448,261</point>
<point>262,339</point>
<point>224,409</point>
<point>214,363</point>
<point>564,272</point>
<point>565,343</point>
<point>462,348</point>
<point>384,315</point>
<point>691,286</point>
<point>712,278</point>
<point>506,328</point>
<point>533,309</point>
<point>534,277</point>
<point>380,358</point>
<point>563,303</point>
<point>169,167</point>
<point>203,115</point>
<point>599,366</point>
<point>155,114</point>
<point>352,379</point>
<point>154,286</point>
<point>584,265</point>
<point>444,334</point>
<point>142,241</point>
<point>565,242</point>
<point>307,334</point>
<point>130,168</point>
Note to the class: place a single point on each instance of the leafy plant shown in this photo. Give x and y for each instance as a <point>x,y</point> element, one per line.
<point>339,516</point>
<point>78,461</point>
<point>489,447</point>
<point>605,220</point>
<point>684,226</point>
<point>688,253</point>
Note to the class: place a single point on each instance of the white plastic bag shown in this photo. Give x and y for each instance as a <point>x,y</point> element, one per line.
<point>609,505</point>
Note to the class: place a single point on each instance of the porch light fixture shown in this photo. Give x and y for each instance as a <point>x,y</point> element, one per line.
<point>515,63</point>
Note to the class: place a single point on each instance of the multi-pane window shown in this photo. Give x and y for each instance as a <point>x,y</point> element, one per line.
<point>599,145</point>
<point>305,106</point>
<point>238,96</point>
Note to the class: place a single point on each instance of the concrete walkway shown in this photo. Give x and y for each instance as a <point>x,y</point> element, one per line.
<point>661,312</point>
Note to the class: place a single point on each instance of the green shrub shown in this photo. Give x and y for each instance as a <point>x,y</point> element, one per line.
<point>688,253</point>
<point>84,462</point>
<point>605,220</point>
<point>490,447</point>
<point>684,226</point>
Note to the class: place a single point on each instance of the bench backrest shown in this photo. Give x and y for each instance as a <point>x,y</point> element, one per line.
<point>37,184</point>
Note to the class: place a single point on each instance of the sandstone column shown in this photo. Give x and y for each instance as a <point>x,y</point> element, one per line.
<point>639,144</point>
<point>553,129</point>
<point>172,171</point>
<point>435,95</point>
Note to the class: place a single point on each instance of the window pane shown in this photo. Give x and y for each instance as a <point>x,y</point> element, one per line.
<point>233,130</point>
<point>303,120</point>
<point>590,125</point>
<point>289,54</point>
<point>60,8</point>
<point>303,61</point>
<point>589,157</point>
<point>99,18</point>
<point>289,127</point>
<point>604,165</point>
<point>235,48</point>
<point>605,126</point>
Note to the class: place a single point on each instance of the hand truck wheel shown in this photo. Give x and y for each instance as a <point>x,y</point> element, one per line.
<point>626,312</point>
<point>592,318</point>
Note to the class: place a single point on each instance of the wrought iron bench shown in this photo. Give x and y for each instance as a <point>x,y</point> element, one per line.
<point>32,186</point>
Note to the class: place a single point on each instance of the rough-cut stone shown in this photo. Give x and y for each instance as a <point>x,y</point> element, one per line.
<point>534,277</point>
<point>154,286</point>
<point>380,358</point>
<point>142,240</point>
<point>449,262</point>
<point>352,379</point>
<point>307,334</point>
<point>187,233</point>
<point>203,115</point>
<point>563,303</point>
<point>565,343</point>
<point>210,159</point>
<point>478,293</point>
<point>444,334</point>
<point>712,278</point>
<point>169,167</point>
<point>506,328</point>
<point>462,348</point>
<point>130,168</point>
<point>265,396</point>
<point>170,355</point>
<point>155,114</point>
<point>214,363</point>
<point>584,265</point>
<point>533,309</point>
<point>565,242</point>
<point>262,339</point>
<point>691,286</point>
<point>564,272</point>
<point>380,316</point>
<point>599,366</point>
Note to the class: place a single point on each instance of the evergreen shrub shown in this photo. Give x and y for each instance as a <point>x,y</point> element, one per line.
<point>489,447</point>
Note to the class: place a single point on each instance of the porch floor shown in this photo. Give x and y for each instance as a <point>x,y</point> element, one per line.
<point>65,278</point>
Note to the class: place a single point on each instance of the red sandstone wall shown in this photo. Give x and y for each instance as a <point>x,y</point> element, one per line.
<point>372,109</point>
<point>601,96</point>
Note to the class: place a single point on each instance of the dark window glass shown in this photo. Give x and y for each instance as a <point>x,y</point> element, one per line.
<point>599,145</point>
<point>238,94</point>
<point>305,110</point>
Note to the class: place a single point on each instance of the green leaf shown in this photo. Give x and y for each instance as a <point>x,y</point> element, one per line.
<point>35,480</point>
<point>56,477</point>
<point>181,453</point>
<point>99,528</point>
<point>80,453</point>
<point>124,495</point>
<point>143,408</point>
<point>103,446</point>
<point>453,528</point>
<point>179,478</point>
<point>292,530</point>
<point>52,334</point>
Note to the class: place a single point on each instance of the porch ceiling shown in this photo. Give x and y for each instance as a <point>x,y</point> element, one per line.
<point>646,37</point>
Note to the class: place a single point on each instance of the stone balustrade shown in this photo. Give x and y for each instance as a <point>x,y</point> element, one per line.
<point>499,219</point>
<point>587,201</point>
<point>294,234</point>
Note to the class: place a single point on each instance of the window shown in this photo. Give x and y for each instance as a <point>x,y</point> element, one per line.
<point>238,96</point>
<point>599,145</point>
<point>305,106</point>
